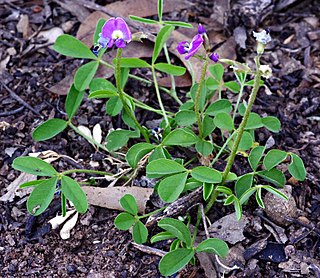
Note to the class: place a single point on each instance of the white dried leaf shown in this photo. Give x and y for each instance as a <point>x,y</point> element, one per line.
<point>67,227</point>
<point>52,34</point>
<point>59,219</point>
<point>97,133</point>
<point>47,156</point>
<point>85,130</point>
<point>10,151</point>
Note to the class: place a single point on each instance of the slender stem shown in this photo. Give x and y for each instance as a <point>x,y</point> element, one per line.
<point>63,205</point>
<point>159,96</point>
<point>88,138</point>
<point>152,212</point>
<point>122,97</point>
<point>198,94</point>
<point>86,171</point>
<point>195,230</point>
<point>240,95</point>
<point>212,199</point>
<point>222,149</point>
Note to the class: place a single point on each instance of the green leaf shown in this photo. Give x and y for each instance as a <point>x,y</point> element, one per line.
<point>215,246</point>
<point>223,121</point>
<point>178,24</point>
<point>222,105</point>
<point>175,244</point>
<point>41,196</point>
<point>170,69</point>
<point>207,190</point>
<point>49,129</point>
<point>137,152</point>
<point>274,176</point>
<point>73,101</point>
<point>161,236</point>
<point>124,221</point>
<point>180,137</point>
<point>203,95</point>
<point>143,20</point>
<point>275,192</point>
<point>246,195</point>
<point>224,190</point>
<point>99,26</point>
<point>251,83</point>
<point>161,39</point>
<point>140,232</point>
<point>243,184</point>
<point>132,63</point>
<point>114,106</point>
<point>229,200</point>
<point>245,142</point>
<point>177,228</point>
<point>217,71</point>
<point>34,166</point>
<point>124,75</point>
<point>206,174</point>
<point>271,123</point>
<point>160,9</point>
<point>84,75</point>
<point>207,126</point>
<point>204,147</point>
<point>296,168</point>
<point>259,198</point>
<point>186,117</point>
<point>102,94</point>
<point>254,121</point>
<point>116,139</point>
<point>273,158</point>
<point>158,153</point>
<point>212,84</point>
<point>73,192</point>
<point>162,167</point>
<point>129,204</point>
<point>31,183</point>
<point>70,46</point>
<point>98,84</point>
<point>231,177</point>
<point>238,208</point>
<point>171,187</point>
<point>255,156</point>
<point>175,260</point>
<point>233,86</point>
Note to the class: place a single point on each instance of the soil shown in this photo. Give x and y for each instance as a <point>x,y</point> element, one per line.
<point>28,67</point>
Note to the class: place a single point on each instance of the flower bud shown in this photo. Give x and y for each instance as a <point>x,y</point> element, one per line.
<point>214,57</point>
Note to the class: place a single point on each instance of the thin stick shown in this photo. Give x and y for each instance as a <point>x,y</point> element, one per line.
<point>149,250</point>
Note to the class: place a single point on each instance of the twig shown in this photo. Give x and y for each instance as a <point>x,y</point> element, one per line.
<point>149,250</point>
<point>20,100</point>
<point>204,221</point>
<point>12,112</point>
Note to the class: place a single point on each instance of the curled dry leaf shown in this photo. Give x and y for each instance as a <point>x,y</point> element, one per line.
<point>59,219</point>
<point>109,197</point>
<point>67,227</point>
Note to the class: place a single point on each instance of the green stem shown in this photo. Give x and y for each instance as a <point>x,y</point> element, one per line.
<point>152,212</point>
<point>63,205</point>
<point>222,149</point>
<point>198,94</point>
<point>159,96</point>
<point>195,230</point>
<point>123,100</point>
<point>88,138</point>
<point>240,95</point>
<point>212,199</point>
<point>85,171</point>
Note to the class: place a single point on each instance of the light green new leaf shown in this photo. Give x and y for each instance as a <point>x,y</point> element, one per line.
<point>296,168</point>
<point>73,101</point>
<point>206,174</point>
<point>143,20</point>
<point>124,221</point>
<point>137,152</point>
<point>41,196</point>
<point>49,129</point>
<point>175,260</point>
<point>178,24</point>
<point>180,137</point>
<point>34,166</point>
<point>170,69</point>
<point>128,203</point>
<point>161,39</point>
<point>170,188</point>
<point>162,167</point>
<point>273,158</point>
<point>139,232</point>
<point>177,228</point>
<point>84,75</point>
<point>70,46</point>
<point>215,246</point>
<point>73,192</point>
<point>160,9</point>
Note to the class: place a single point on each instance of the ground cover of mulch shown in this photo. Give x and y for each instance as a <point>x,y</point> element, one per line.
<point>29,67</point>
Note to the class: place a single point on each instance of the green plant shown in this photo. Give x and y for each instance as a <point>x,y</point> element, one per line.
<point>193,126</point>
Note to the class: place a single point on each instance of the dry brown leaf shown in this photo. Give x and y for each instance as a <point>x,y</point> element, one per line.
<point>109,197</point>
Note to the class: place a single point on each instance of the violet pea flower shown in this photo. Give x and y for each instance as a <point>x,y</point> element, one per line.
<point>190,48</point>
<point>115,32</point>
<point>201,29</point>
<point>214,57</point>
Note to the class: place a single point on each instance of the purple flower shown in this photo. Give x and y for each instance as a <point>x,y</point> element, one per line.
<point>214,57</point>
<point>201,30</point>
<point>115,31</point>
<point>190,48</point>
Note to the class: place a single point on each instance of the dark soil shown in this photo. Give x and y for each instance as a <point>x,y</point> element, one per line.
<point>28,67</point>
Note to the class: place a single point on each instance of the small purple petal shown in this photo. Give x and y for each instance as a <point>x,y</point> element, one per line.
<point>120,43</point>
<point>201,29</point>
<point>108,28</point>
<point>111,43</point>
<point>196,43</point>
<point>214,57</point>
<point>183,47</point>
<point>122,26</point>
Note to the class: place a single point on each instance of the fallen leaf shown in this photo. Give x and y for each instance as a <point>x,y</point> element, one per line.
<point>52,34</point>
<point>97,133</point>
<point>23,25</point>
<point>67,227</point>
<point>109,197</point>
<point>59,219</point>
